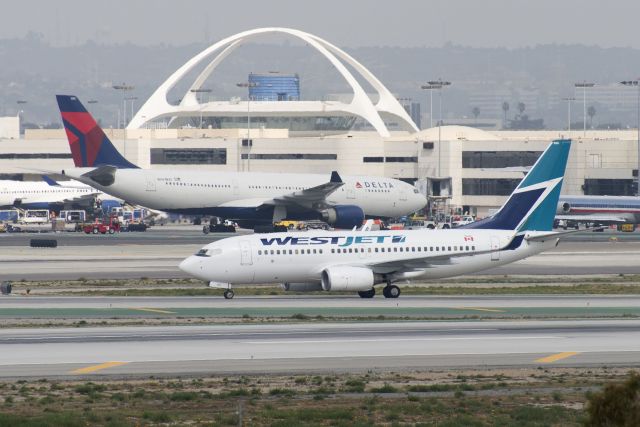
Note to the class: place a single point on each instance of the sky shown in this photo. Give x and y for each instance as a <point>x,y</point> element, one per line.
<point>346,23</point>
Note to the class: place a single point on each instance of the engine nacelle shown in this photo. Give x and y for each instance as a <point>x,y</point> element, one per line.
<point>564,208</point>
<point>344,216</point>
<point>347,279</point>
<point>302,287</point>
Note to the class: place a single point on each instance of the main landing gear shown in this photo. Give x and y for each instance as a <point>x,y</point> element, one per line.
<point>391,291</point>
<point>367,294</point>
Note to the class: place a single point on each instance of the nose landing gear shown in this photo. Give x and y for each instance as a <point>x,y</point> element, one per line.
<point>228,294</point>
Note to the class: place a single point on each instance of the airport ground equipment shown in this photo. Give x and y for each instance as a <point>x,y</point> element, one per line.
<point>111,226</point>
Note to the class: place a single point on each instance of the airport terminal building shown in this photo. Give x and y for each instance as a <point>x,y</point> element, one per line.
<point>274,129</point>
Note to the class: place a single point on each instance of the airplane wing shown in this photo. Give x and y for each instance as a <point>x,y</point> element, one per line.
<point>593,218</point>
<point>314,197</point>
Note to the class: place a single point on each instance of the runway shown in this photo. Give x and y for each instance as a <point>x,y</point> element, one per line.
<point>156,254</point>
<point>308,348</point>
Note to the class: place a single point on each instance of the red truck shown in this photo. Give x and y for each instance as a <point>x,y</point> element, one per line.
<point>100,226</point>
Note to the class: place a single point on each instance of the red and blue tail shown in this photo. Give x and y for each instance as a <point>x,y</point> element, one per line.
<point>89,145</point>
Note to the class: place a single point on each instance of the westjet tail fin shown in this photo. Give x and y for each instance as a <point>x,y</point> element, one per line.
<point>532,205</point>
<point>89,145</point>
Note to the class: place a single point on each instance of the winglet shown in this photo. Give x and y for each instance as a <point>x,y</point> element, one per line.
<point>335,177</point>
<point>50,181</point>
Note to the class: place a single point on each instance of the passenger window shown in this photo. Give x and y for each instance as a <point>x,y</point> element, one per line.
<point>333,251</point>
<point>449,248</point>
<point>290,252</point>
<point>314,251</point>
<point>278,252</point>
<point>375,249</point>
<point>473,248</point>
<point>259,252</point>
<point>296,252</point>
<point>272,251</point>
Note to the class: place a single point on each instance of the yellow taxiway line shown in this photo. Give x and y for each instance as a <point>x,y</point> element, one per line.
<point>153,310</point>
<point>94,368</point>
<point>492,310</point>
<point>555,357</point>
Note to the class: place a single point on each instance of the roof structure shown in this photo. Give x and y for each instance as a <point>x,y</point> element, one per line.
<point>157,106</point>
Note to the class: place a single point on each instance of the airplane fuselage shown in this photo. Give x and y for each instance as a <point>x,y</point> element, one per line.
<point>236,195</point>
<point>302,257</point>
<point>601,207</point>
<point>39,194</point>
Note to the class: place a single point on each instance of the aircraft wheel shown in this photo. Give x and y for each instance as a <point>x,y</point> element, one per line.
<point>391,291</point>
<point>367,294</point>
<point>228,294</point>
<point>205,229</point>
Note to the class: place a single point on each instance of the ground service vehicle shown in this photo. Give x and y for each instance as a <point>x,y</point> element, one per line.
<point>101,227</point>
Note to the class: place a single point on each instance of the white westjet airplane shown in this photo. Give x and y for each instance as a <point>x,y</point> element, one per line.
<point>359,260</point>
<point>249,198</point>
<point>45,194</point>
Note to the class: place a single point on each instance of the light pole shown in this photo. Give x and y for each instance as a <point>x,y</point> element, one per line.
<point>431,87</point>
<point>248,85</point>
<point>20,103</point>
<point>584,85</point>
<point>439,85</point>
<point>569,99</point>
<point>124,88</point>
<point>636,83</point>
<point>198,91</point>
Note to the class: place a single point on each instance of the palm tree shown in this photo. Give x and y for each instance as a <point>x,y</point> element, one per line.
<point>521,107</point>
<point>591,111</point>
<point>505,108</point>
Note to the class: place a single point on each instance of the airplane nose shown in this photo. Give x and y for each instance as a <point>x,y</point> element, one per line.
<point>191,266</point>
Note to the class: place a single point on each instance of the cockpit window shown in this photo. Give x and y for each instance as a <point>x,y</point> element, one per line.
<point>209,252</point>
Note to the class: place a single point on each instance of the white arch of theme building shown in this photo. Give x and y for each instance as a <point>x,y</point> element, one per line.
<point>157,106</point>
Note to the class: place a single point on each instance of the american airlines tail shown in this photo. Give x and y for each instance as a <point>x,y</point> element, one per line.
<point>89,145</point>
<point>532,205</point>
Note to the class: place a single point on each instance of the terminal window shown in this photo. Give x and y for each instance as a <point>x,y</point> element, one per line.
<point>609,187</point>
<point>290,156</point>
<point>498,159</point>
<point>373,159</point>
<point>488,186</point>
<point>35,156</point>
<point>401,160</point>
<point>188,156</point>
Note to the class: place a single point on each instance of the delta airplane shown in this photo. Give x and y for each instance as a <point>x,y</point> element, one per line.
<point>359,260</point>
<point>47,194</point>
<point>248,198</point>
<point>599,209</point>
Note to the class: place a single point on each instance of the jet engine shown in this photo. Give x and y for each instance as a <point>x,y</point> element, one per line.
<point>344,216</point>
<point>302,287</point>
<point>564,207</point>
<point>343,278</point>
